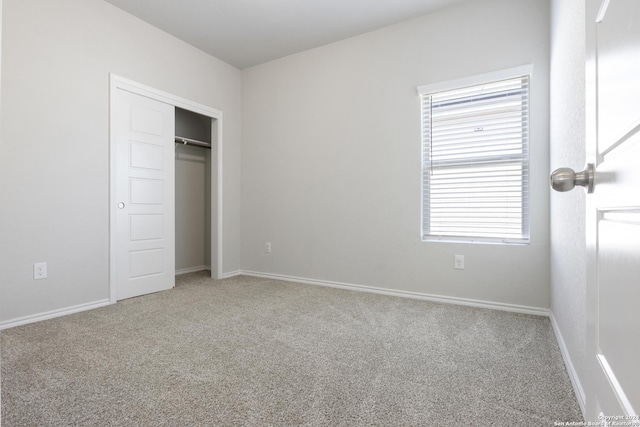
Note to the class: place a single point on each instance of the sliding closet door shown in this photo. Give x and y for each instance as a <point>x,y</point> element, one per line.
<point>144,215</point>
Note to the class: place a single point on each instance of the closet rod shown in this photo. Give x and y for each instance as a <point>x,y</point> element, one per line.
<point>188,141</point>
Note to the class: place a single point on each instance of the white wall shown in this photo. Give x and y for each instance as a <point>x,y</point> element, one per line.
<point>1,8</point>
<point>54,159</point>
<point>331,156</point>
<point>567,128</point>
<point>193,197</point>
<point>193,193</point>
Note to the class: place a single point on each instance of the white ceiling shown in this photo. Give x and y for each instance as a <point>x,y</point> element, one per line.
<point>244,33</point>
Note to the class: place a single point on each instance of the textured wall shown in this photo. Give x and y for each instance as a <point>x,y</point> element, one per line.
<point>193,167</point>
<point>54,159</point>
<point>331,156</point>
<point>567,128</point>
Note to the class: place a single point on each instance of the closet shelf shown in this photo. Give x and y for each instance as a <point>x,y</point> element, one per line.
<point>189,141</point>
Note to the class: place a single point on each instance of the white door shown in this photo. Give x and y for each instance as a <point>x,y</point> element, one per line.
<point>144,194</point>
<point>613,210</point>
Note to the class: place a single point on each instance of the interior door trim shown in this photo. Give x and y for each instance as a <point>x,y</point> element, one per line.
<point>120,83</point>
<point>615,385</point>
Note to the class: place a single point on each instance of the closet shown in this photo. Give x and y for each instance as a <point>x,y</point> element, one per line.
<point>165,215</point>
<point>193,160</point>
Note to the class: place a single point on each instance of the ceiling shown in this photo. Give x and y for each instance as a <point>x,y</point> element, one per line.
<point>244,33</point>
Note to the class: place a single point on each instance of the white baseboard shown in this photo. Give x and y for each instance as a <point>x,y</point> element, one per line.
<point>538,311</point>
<point>573,374</point>
<point>231,274</point>
<point>91,305</point>
<point>192,269</point>
<point>575,381</point>
<point>349,286</point>
<point>52,314</point>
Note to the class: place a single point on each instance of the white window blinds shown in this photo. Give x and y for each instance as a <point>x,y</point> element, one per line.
<point>475,145</point>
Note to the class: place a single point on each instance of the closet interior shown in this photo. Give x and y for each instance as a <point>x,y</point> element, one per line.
<point>193,162</point>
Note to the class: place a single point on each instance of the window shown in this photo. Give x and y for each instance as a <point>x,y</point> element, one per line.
<point>475,158</point>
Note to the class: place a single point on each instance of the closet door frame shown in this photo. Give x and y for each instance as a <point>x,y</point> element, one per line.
<point>117,82</point>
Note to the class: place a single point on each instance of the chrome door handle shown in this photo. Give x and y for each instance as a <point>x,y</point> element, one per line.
<point>565,179</point>
<point>121,205</point>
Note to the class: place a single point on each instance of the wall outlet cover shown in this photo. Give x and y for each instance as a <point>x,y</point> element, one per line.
<point>39,270</point>
<point>458,262</point>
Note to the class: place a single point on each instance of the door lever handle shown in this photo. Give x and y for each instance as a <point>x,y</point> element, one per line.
<point>565,179</point>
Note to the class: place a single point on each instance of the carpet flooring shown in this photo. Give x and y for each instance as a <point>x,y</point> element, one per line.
<point>247,351</point>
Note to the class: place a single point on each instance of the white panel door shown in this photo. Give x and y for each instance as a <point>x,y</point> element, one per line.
<point>613,210</point>
<point>145,229</point>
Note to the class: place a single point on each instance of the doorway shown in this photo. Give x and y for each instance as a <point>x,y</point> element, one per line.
<point>129,253</point>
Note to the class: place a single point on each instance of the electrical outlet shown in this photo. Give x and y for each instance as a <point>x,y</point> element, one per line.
<point>267,247</point>
<point>39,270</point>
<point>458,262</point>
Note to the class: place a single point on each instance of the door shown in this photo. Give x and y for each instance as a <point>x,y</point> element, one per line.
<point>613,210</point>
<point>144,195</point>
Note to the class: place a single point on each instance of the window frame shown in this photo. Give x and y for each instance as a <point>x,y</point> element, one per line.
<point>451,85</point>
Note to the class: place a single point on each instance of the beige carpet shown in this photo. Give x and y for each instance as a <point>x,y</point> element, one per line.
<point>257,352</point>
